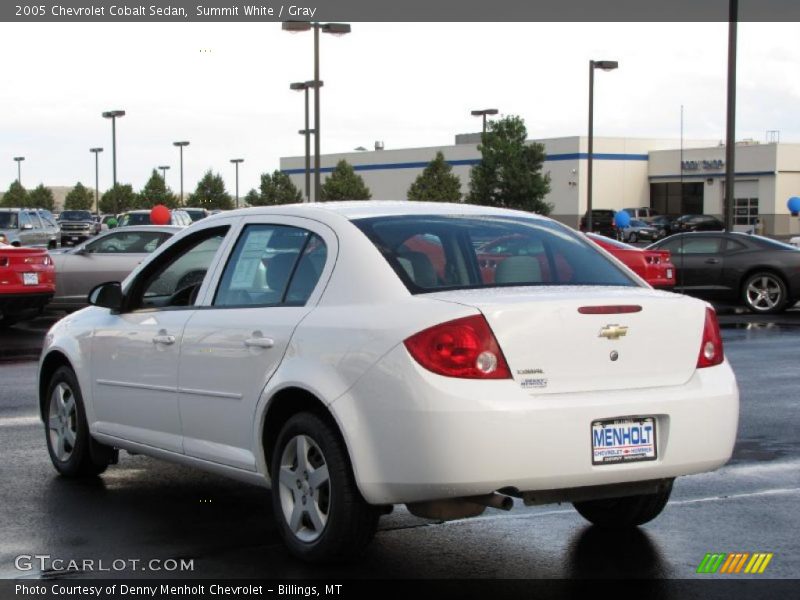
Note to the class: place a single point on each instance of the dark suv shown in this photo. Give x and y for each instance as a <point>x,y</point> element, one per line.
<point>602,222</point>
<point>76,226</point>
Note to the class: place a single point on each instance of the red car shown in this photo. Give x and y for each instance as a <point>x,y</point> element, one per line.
<point>654,266</point>
<point>27,282</point>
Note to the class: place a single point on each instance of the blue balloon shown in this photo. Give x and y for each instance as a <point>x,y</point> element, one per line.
<point>622,219</point>
<point>793,204</point>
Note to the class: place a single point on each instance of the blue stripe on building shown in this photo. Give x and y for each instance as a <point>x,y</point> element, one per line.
<point>474,161</point>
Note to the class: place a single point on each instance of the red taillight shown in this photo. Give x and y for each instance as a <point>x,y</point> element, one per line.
<point>711,352</point>
<point>463,348</point>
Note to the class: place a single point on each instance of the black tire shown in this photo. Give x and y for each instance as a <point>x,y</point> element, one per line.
<point>85,456</point>
<point>624,513</point>
<point>633,238</point>
<point>350,522</point>
<point>764,293</point>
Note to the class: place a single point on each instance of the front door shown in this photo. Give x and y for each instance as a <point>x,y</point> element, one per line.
<point>699,262</point>
<point>135,354</point>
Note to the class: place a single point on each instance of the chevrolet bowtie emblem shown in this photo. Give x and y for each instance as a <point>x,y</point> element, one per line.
<point>613,332</point>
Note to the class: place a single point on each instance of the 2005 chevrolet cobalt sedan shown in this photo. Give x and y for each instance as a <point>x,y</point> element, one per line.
<point>353,356</point>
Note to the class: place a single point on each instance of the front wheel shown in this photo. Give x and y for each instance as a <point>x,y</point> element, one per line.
<point>72,450</point>
<point>627,512</point>
<point>320,512</point>
<point>632,238</point>
<point>764,293</point>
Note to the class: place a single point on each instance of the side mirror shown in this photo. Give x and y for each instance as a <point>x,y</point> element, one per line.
<point>107,295</point>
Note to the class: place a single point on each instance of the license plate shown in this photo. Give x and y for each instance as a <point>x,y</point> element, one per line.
<point>74,238</point>
<point>30,278</point>
<point>627,439</point>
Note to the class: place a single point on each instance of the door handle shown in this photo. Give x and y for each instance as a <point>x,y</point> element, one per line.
<point>259,341</point>
<point>163,338</point>
<point>712,261</point>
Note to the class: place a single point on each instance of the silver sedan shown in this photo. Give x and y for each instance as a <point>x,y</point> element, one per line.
<point>108,257</point>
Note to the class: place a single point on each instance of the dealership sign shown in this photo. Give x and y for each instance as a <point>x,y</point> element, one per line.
<point>705,165</point>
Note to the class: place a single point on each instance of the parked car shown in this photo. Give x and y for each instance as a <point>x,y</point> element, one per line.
<point>196,213</point>
<point>602,222</point>
<point>307,348</point>
<point>639,230</point>
<point>25,227</point>
<point>663,223</point>
<point>697,223</point>
<point>108,257</point>
<point>795,241</point>
<point>108,222</point>
<point>654,266</point>
<point>142,217</point>
<point>760,273</point>
<point>76,226</point>
<point>27,282</point>
<point>644,212</point>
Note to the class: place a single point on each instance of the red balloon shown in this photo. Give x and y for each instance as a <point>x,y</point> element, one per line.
<point>159,215</point>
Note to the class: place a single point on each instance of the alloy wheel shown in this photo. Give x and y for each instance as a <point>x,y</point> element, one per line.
<point>764,293</point>
<point>63,422</point>
<point>304,488</point>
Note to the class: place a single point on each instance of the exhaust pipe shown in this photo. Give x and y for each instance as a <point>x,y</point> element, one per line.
<point>493,500</point>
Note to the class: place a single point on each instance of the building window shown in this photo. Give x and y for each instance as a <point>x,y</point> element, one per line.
<point>745,211</point>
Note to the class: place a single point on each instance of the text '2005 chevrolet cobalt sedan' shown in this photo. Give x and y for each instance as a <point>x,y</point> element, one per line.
<point>352,356</point>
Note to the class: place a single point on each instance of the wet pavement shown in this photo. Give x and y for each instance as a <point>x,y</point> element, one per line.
<point>146,509</point>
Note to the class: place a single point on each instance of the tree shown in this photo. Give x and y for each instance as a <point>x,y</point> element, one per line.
<point>119,198</point>
<point>344,184</point>
<point>155,191</point>
<point>16,196</point>
<point>210,193</point>
<point>436,183</point>
<point>510,172</point>
<point>278,189</point>
<point>253,198</point>
<point>79,198</point>
<point>41,197</point>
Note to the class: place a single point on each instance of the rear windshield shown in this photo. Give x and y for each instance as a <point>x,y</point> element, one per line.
<point>433,253</point>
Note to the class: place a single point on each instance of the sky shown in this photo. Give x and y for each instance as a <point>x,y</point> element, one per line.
<point>225,88</point>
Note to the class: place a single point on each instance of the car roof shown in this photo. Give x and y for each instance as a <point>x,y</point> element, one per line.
<point>161,228</point>
<point>360,209</point>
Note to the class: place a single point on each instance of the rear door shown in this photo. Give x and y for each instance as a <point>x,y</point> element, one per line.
<point>234,343</point>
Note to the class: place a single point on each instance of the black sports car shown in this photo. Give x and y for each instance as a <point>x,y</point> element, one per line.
<point>761,273</point>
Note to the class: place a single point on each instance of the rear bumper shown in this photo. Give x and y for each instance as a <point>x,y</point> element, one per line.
<point>416,436</point>
<point>17,304</point>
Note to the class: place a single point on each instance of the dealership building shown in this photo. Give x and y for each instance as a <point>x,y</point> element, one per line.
<point>627,173</point>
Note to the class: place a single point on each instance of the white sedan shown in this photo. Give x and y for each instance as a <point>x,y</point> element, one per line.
<point>352,356</point>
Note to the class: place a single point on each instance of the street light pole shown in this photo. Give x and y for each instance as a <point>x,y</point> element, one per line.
<point>730,135</point>
<point>181,146</point>
<point>163,169</point>
<point>236,161</point>
<point>334,28</point>
<point>483,113</point>
<point>113,114</point>
<point>304,87</point>
<point>19,160</point>
<point>606,65</point>
<point>96,152</point>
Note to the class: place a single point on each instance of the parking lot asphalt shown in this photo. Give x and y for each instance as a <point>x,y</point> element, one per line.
<point>146,509</point>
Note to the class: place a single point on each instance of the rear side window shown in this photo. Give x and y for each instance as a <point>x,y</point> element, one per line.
<point>272,265</point>
<point>432,253</point>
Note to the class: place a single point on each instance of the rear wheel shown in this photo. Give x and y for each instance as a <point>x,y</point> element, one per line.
<point>621,513</point>
<point>320,512</point>
<point>764,293</point>
<point>72,450</point>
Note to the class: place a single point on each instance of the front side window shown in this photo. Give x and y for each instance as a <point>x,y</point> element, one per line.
<point>431,253</point>
<point>175,277</point>
<point>272,265</point>
<point>693,245</point>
